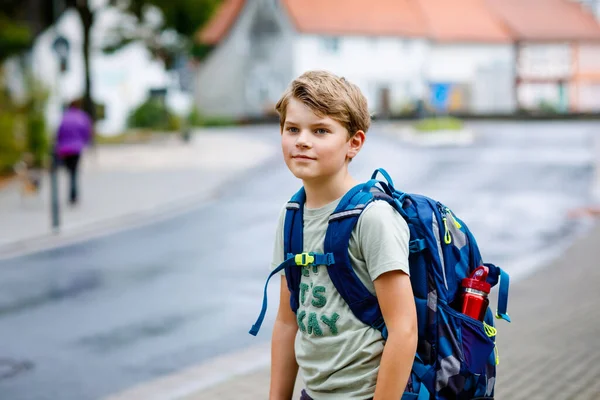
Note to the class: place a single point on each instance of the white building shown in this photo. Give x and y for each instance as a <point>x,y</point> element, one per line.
<point>261,45</point>
<point>471,61</point>
<point>557,53</point>
<point>396,52</point>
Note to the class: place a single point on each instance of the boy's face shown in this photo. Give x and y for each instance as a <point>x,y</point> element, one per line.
<point>314,147</point>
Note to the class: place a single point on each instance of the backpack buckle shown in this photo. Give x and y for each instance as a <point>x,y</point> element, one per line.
<point>416,245</point>
<point>304,259</point>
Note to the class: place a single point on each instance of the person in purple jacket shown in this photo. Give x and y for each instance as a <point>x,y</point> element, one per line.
<point>74,134</point>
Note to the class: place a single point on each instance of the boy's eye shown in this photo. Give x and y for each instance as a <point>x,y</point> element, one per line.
<point>292,129</point>
<point>321,131</point>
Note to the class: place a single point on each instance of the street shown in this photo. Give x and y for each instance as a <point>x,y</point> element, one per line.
<point>87,320</point>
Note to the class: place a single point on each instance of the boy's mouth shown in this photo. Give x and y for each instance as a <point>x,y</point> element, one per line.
<point>303,157</point>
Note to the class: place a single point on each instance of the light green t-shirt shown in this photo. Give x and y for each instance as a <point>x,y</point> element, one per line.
<point>338,355</point>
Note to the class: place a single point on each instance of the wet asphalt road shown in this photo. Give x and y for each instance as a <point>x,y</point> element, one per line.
<point>91,319</point>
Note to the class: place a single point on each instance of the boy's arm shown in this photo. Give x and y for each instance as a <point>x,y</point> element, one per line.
<point>283,357</point>
<point>395,296</point>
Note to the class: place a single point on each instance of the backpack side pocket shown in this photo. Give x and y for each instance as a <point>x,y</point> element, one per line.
<point>464,349</point>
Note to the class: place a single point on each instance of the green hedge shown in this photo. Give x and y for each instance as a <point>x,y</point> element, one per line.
<point>37,141</point>
<point>10,151</point>
<point>196,118</point>
<point>440,123</point>
<point>154,114</point>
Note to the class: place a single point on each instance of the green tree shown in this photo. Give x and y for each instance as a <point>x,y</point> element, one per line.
<point>180,19</point>
<point>15,37</point>
<point>87,16</point>
<point>167,37</point>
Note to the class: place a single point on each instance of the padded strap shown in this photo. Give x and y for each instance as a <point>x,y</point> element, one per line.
<point>293,243</point>
<point>361,301</point>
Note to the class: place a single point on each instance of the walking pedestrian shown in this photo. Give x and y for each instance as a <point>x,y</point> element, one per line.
<point>73,135</point>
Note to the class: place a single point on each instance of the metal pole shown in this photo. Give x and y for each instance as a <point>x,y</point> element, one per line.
<point>55,203</point>
<point>54,198</point>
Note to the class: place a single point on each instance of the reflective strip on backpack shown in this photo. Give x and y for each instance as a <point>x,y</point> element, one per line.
<point>292,206</point>
<point>344,214</point>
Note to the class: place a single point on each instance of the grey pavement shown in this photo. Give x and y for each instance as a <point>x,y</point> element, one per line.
<point>99,316</point>
<point>128,184</point>
<point>549,351</point>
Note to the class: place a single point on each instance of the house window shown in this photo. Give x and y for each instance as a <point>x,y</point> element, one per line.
<point>331,44</point>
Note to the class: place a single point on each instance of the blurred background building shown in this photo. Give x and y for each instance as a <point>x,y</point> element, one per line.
<point>467,56</point>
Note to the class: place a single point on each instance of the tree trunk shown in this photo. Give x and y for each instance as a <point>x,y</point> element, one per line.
<point>87,20</point>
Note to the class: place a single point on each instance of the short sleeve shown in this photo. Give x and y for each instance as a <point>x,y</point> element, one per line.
<point>383,237</point>
<point>278,242</point>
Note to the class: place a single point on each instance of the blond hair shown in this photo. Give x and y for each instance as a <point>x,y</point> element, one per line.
<point>328,95</point>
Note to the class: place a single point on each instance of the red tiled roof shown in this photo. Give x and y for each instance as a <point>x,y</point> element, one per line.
<point>544,20</point>
<point>220,24</point>
<point>357,17</point>
<point>463,21</point>
<point>445,21</point>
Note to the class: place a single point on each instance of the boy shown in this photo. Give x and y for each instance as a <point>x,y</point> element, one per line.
<point>323,121</point>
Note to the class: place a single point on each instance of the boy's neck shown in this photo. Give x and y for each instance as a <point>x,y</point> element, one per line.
<point>321,192</point>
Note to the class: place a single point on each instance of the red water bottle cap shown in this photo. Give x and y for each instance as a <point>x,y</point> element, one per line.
<point>477,280</point>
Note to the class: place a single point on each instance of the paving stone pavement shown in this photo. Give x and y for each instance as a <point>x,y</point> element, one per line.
<point>549,351</point>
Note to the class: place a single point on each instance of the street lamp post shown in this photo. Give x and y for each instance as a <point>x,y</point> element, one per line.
<point>61,48</point>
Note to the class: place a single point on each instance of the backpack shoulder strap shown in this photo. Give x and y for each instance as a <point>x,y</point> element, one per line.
<point>293,243</point>
<point>361,301</point>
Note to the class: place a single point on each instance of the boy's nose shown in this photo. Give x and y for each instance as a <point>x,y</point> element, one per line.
<point>302,140</point>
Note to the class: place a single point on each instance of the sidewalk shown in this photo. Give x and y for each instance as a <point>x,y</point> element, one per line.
<point>122,185</point>
<point>550,351</point>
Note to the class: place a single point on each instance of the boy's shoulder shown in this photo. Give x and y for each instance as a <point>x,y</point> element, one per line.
<point>378,217</point>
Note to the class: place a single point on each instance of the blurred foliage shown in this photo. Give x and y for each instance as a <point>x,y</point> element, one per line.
<point>438,124</point>
<point>37,139</point>
<point>10,151</point>
<point>15,37</point>
<point>166,38</point>
<point>23,129</point>
<point>154,114</point>
<point>548,107</point>
<point>127,137</point>
<point>201,50</point>
<point>197,119</point>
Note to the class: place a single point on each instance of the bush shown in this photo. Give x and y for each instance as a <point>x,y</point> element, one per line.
<point>37,142</point>
<point>10,152</point>
<point>196,118</point>
<point>153,114</point>
<point>441,123</point>
<point>548,107</point>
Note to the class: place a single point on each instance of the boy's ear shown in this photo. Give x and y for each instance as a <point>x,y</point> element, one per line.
<point>355,144</point>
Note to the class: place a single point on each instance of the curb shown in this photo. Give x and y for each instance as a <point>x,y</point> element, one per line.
<point>408,134</point>
<point>194,379</point>
<point>96,229</point>
<point>105,227</point>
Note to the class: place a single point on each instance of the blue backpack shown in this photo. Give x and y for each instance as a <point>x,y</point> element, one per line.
<point>456,356</point>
